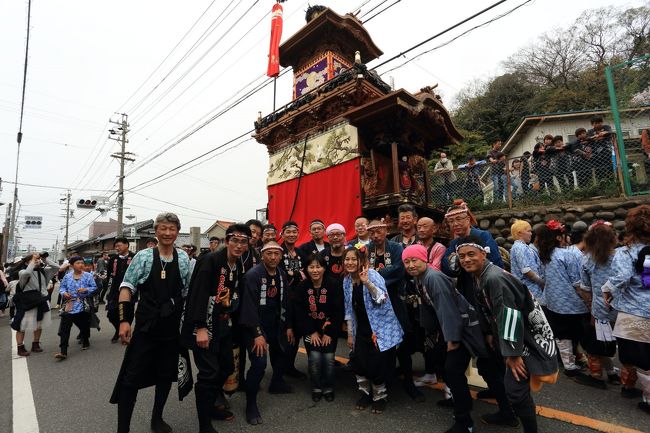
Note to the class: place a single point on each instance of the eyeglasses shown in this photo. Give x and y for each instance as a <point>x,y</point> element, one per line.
<point>238,241</point>
<point>457,220</point>
<point>336,235</point>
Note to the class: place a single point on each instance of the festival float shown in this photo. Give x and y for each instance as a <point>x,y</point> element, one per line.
<point>347,144</point>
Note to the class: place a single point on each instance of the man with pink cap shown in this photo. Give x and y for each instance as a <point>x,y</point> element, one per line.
<point>446,313</point>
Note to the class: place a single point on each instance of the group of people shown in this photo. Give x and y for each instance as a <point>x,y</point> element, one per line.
<point>550,168</point>
<point>569,291</point>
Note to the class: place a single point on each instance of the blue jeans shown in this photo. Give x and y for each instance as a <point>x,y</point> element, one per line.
<point>499,187</point>
<point>321,371</point>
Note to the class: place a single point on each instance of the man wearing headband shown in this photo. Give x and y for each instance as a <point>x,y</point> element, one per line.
<point>292,264</point>
<point>269,233</point>
<point>407,217</point>
<point>268,327</point>
<point>385,257</point>
<point>441,313</point>
<point>213,296</point>
<point>492,367</point>
<point>316,244</point>
<point>519,327</point>
<point>160,275</point>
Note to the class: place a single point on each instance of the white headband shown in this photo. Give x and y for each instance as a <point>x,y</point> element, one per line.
<point>472,244</point>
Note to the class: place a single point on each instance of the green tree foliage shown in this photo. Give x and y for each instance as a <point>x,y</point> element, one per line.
<point>562,71</point>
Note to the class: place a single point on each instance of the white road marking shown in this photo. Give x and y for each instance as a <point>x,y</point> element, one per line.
<point>24,410</point>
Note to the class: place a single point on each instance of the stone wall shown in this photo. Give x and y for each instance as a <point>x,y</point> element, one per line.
<point>613,210</point>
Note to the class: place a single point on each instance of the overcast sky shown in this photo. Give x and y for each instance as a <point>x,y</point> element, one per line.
<point>87,58</point>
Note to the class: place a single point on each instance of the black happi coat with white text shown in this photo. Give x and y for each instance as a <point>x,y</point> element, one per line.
<point>213,296</point>
<point>516,319</point>
<point>256,308</point>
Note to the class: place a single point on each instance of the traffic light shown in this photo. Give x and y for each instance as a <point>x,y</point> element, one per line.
<point>33,222</point>
<point>86,203</point>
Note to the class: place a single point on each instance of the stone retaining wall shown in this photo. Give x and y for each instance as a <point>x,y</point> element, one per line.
<point>613,210</point>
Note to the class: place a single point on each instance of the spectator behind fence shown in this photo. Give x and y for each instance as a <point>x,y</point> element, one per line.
<point>444,169</point>
<point>560,163</point>
<point>497,160</point>
<point>541,163</point>
<point>515,178</point>
<point>600,136</point>
<point>582,151</point>
<point>525,172</point>
<point>472,189</point>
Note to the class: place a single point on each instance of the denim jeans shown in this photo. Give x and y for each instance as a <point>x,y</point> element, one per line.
<point>499,187</point>
<point>321,371</point>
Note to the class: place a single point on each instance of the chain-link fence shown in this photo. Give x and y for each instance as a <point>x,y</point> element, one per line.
<point>629,91</point>
<point>585,169</point>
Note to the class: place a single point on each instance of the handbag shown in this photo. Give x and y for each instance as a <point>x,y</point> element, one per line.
<point>28,300</point>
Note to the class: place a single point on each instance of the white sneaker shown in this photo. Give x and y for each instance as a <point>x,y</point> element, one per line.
<point>427,379</point>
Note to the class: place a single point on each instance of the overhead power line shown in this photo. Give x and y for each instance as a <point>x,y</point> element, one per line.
<point>188,70</point>
<point>227,51</point>
<point>444,44</point>
<point>196,43</point>
<point>437,35</point>
<point>168,55</point>
<point>193,159</point>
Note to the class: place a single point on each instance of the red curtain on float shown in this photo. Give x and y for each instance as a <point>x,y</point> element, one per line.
<point>332,195</point>
<point>276,34</point>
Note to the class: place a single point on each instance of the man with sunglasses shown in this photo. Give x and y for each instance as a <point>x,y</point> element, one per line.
<point>213,296</point>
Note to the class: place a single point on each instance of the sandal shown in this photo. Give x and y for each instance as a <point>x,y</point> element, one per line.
<point>60,356</point>
<point>379,406</point>
<point>364,401</point>
<point>220,413</point>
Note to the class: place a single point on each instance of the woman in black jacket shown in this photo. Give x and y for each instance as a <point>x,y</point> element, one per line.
<point>319,313</point>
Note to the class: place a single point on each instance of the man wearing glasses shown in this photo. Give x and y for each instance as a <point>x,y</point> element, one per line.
<point>213,296</point>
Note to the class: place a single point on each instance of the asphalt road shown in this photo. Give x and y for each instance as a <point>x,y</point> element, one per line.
<point>72,396</point>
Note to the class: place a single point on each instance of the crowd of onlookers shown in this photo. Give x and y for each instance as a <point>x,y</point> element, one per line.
<point>553,166</point>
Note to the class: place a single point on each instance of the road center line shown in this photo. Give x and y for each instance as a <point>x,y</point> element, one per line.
<point>24,410</point>
<point>546,412</point>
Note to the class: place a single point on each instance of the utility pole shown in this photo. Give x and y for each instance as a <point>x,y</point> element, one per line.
<point>5,235</point>
<point>123,155</point>
<point>67,224</point>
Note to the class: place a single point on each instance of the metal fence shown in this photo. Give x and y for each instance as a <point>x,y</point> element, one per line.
<point>582,171</point>
<point>628,84</point>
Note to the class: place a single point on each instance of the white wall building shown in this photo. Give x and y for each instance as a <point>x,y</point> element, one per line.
<point>532,129</point>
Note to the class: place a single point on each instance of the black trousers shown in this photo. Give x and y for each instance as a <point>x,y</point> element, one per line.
<point>214,367</point>
<point>456,363</point>
<point>519,395</point>
<point>258,364</point>
<point>369,362</point>
<point>492,369</point>
<point>81,320</point>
